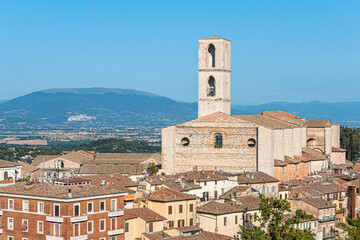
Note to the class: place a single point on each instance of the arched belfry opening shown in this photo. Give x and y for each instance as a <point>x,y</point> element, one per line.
<point>211,87</point>
<point>211,56</point>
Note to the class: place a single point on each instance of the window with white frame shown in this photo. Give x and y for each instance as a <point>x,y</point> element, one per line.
<point>57,229</point>
<point>25,225</point>
<point>76,210</point>
<point>90,227</point>
<point>102,206</point>
<point>10,223</point>
<point>102,225</point>
<point>90,207</point>
<point>324,212</point>
<point>10,238</point>
<point>25,206</point>
<point>40,227</point>
<point>11,204</point>
<point>56,210</point>
<point>40,207</point>
<point>76,229</point>
<point>113,205</point>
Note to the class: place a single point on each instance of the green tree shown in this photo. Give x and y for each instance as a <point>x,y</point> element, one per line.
<point>273,224</point>
<point>152,170</point>
<point>353,229</point>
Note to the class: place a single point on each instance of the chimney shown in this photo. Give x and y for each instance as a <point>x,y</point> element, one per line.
<point>103,182</point>
<point>69,193</point>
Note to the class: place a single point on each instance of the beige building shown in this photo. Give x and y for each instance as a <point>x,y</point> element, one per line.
<point>218,140</point>
<point>178,208</point>
<point>141,220</point>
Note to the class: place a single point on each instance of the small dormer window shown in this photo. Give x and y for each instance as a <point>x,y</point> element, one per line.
<point>218,140</point>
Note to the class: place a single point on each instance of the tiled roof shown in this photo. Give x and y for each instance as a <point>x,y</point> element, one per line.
<point>318,203</point>
<point>202,176</point>
<point>313,155</point>
<point>115,179</point>
<point>40,158</point>
<point>146,214</point>
<point>238,189</point>
<point>168,195</point>
<point>317,123</point>
<point>203,235</point>
<point>255,177</point>
<point>335,149</point>
<point>285,116</point>
<point>217,208</point>
<point>27,167</point>
<point>5,164</point>
<point>56,191</point>
<point>326,187</point>
<point>249,202</point>
<point>267,121</point>
<point>213,38</point>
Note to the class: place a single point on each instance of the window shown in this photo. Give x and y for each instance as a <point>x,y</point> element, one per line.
<point>102,206</point>
<point>113,223</point>
<point>191,207</point>
<point>236,219</point>
<point>90,207</point>
<point>211,55</point>
<point>218,140</point>
<point>102,225</point>
<point>10,224</point>
<point>171,224</point>
<point>180,208</point>
<point>169,209</point>
<point>285,195</point>
<point>314,224</point>
<point>211,92</point>
<point>331,212</point>
<point>25,206</point>
<point>181,223</point>
<point>185,141</point>
<point>76,210</point>
<point>10,238</point>
<point>204,183</point>
<point>251,142</point>
<point>40,207</point>
<point>215,195</point>
<point>6,175</point>
<point>113,205</point>
<point>280,196</point>
<point>76,229</point>
<point>191,221</point>
<point>215,182</point>
<point>310,224</point>
<point>25,225</point>
<point>273,189</point>
<point>90,227</point>
<point>225,221</point>
<point>24,239</point>
<point>151,227</point>
<point>11,204</point>
<point>324,212</point>
<point>126,227</point>
<point>40,227</point>
<point>56,210</point>
<point>57,229</point>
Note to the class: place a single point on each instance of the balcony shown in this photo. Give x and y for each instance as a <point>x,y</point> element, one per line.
<point>327,218</point>
<point>1,230</point>
<point>54,219</point>
<point>116,232</point>
<point>1,212</point>
<point>340,210</point>
<point>116,213</point>
<point>50,237</point>
<point>80,237</point>
<point>332,234</point>
<point>82,218</point>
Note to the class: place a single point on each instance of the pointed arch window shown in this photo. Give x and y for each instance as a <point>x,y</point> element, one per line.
<point>211,55</point>
<point>211,87</point>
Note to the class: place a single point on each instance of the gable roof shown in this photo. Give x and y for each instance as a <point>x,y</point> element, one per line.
<point>168,195</point>
<point>217,117</point>
<point>317,123</point>
<point>217,208</point>
<point>146,214</point>
<point>255,177</point>
<point>238,189</point>
<point>312,154</point>
<point>318,203</point>
<point>6,164</point>
<point>249,202</point>
<point>213,38</point>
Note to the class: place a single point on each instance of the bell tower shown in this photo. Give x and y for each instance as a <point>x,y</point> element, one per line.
<point>214,76</point>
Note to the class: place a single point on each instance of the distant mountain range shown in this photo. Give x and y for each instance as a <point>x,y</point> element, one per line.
<point>109,107</point>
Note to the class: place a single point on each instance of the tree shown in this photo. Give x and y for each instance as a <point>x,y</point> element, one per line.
<point>353,229</point>
<point>152,170</point>
<point>273,224</point>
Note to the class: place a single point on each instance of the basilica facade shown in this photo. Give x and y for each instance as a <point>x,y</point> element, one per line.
<point>275,142</point>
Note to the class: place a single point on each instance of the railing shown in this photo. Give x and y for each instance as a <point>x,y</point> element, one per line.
<point>116,213</point>
<point>1,212</point>
<point>80,237</point>
<point>340,210</point>
<point>331,234</point>
<point>50,237</point>
<point>54,219</point>
<point>116,232</point>
<point>82,218</point>
<point>327,218</point>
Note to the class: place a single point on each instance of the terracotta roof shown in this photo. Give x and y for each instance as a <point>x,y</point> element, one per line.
<point>213,38</point>
<point>267,121</point>
<point>203,235</point>
<point>279,163</point>
<point>326,187</point>
<point>234,191</point>
<point>217,208</point>
<point>6,164</point>
<point>317,123</point>
<point>255,177</point>
<point>73,180</point>
<point>108,168</point>
<point>115,179</point>
<point>202,176</point>
<point>335,149</point>
<point>285,116</point>
<point>305,191</point>
<point>168,195</point>
<point>249,202</point>
<point>318,203</point>
<point>188,229</point>
<point>217,117</point>
<point>313,155</point>
<point>146,214</point>
<point>40,158</point>
<point>27,167</point>
<point>56,191</point>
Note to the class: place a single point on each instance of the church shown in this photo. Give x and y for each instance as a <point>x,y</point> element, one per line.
<point>275,142</point>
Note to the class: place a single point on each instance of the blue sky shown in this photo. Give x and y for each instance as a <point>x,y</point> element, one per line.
<point>291,51</point>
